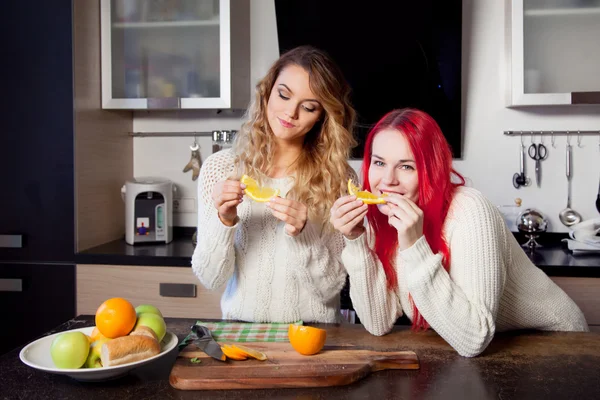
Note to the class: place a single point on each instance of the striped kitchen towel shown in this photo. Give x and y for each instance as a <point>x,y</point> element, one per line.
<point>246,331</point>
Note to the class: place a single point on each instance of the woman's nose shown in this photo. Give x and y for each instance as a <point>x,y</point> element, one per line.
<point>292,111</point>
<point>389,177</point>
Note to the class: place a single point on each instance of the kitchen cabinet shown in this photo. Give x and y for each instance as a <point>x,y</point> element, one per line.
<point>174,290</point>
<point>34,298</point>
<point>189,54</point>
<point>553,52</point>
<point>37,227</point>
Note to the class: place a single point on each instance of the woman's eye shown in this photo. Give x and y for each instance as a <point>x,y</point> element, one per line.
<point>283,97</point>
<point>407,167</point>
<point>378,163</point>
<point>309,109</point>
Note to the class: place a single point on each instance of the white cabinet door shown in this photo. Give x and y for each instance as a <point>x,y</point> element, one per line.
<point>554,52</point>
<point>159,54</point>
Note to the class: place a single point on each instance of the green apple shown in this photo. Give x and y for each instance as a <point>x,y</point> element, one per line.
<point>93,358</point>
<point>70,350</point>
<point>154,322</point>
<point>147,308</point>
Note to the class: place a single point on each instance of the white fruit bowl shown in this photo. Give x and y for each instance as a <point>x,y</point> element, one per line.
<point>37,355</point>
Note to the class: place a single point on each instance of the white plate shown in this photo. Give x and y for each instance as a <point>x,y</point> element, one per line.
<point>37,355</point>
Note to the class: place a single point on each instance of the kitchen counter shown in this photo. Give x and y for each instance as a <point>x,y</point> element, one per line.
<point>516,365</point>
<point>554,258</point>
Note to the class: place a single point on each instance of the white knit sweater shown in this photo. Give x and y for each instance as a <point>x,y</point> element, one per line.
<point>492,285</point>
<point>270,275</point>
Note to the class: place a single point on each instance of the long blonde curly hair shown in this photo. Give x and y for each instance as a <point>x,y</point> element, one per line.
<point>322,170</point>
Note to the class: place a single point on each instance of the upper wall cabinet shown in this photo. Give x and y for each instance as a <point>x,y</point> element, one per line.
<point>159,54</point>
<point>554,52</point>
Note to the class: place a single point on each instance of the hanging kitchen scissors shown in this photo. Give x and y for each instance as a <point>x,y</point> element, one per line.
<point>538,152</point>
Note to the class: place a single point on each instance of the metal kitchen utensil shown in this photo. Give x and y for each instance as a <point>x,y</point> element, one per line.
<point>568,216</point>
<point>532,223</point>
<point>598,198</point>
<point>202,338</point>
<point>538,152</point>
<point>519,179</point>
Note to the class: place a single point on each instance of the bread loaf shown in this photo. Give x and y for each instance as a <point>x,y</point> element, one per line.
<point>144,331</point>
<point>127,349</point>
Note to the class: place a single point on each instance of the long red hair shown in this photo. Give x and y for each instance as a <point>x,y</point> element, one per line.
<point>433,159</point>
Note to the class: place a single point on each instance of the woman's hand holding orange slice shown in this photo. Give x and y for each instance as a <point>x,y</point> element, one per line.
<point>227,195</point>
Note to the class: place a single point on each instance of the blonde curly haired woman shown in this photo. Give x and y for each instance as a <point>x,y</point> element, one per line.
<point>280,260</point>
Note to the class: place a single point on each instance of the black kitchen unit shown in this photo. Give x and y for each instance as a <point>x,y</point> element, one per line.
<point>37,228</point>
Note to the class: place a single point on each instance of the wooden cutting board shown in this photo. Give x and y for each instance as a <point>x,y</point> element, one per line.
<point>333,366</point>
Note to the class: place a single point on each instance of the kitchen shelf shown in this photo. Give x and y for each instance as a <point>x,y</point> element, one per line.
<point>549,12</point>
<point>166,24</point>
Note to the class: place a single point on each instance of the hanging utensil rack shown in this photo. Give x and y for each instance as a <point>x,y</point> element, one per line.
<point>171,134</point>
<point>551,133</point>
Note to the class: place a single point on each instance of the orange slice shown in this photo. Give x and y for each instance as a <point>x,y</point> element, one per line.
<point>256,192</point>
<point>306,340</point>
<point>233,353</point>
<point>259,355</point>
<point>364,195</point>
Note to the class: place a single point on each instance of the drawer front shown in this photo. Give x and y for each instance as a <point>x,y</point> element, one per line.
<point>171,289</point>
<point>34,298</point>
<point>585,292</point>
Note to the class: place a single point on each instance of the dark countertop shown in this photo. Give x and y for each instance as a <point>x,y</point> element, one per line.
<point>553,258</point>
<point>516,365</point>
<point>178,253</point>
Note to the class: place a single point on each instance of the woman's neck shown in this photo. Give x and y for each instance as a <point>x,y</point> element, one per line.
<point>284,160</point>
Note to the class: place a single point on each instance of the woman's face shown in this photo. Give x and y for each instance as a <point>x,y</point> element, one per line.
<point>293,109</point>
<point>393,167</point>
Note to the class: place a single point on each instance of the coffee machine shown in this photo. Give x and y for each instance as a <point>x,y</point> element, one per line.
<point>148,210</point>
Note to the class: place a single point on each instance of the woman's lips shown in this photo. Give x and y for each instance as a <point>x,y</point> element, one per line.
<point>285,124</point>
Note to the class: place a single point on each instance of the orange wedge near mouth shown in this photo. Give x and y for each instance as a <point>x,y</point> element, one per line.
<point>256,192</point>
<point>364,195</point>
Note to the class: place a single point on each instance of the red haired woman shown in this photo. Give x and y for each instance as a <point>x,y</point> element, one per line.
<point>437,250</point>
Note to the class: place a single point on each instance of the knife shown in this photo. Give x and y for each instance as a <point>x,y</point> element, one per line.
<point>202,338</point>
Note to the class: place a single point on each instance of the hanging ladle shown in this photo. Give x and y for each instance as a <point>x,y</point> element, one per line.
<point>568,216</point>
<point>519,178</point>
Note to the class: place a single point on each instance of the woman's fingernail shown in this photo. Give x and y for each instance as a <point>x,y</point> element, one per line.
<point>243,185</point>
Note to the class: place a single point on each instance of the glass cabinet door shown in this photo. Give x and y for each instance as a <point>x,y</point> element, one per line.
<point>561,46</point>
<point>555,52</point>
<point>158,52</point>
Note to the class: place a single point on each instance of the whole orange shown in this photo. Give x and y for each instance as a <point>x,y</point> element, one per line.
<point>306,340</point>
<point>115,317</point>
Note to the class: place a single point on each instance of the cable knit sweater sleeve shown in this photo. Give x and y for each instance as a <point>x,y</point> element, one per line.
<point>214,256</point>
<point>462,311</point>
<point>317,252</point>
<point>377,306</point>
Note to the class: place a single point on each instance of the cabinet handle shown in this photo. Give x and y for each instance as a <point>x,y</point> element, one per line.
<point>11,241</point>
<point>11,285</point>
<point>177,289</point>
<point>585,97</point>
<point>162,103</point>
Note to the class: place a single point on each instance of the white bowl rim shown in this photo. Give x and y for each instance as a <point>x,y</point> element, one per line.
<point>167,344</point>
